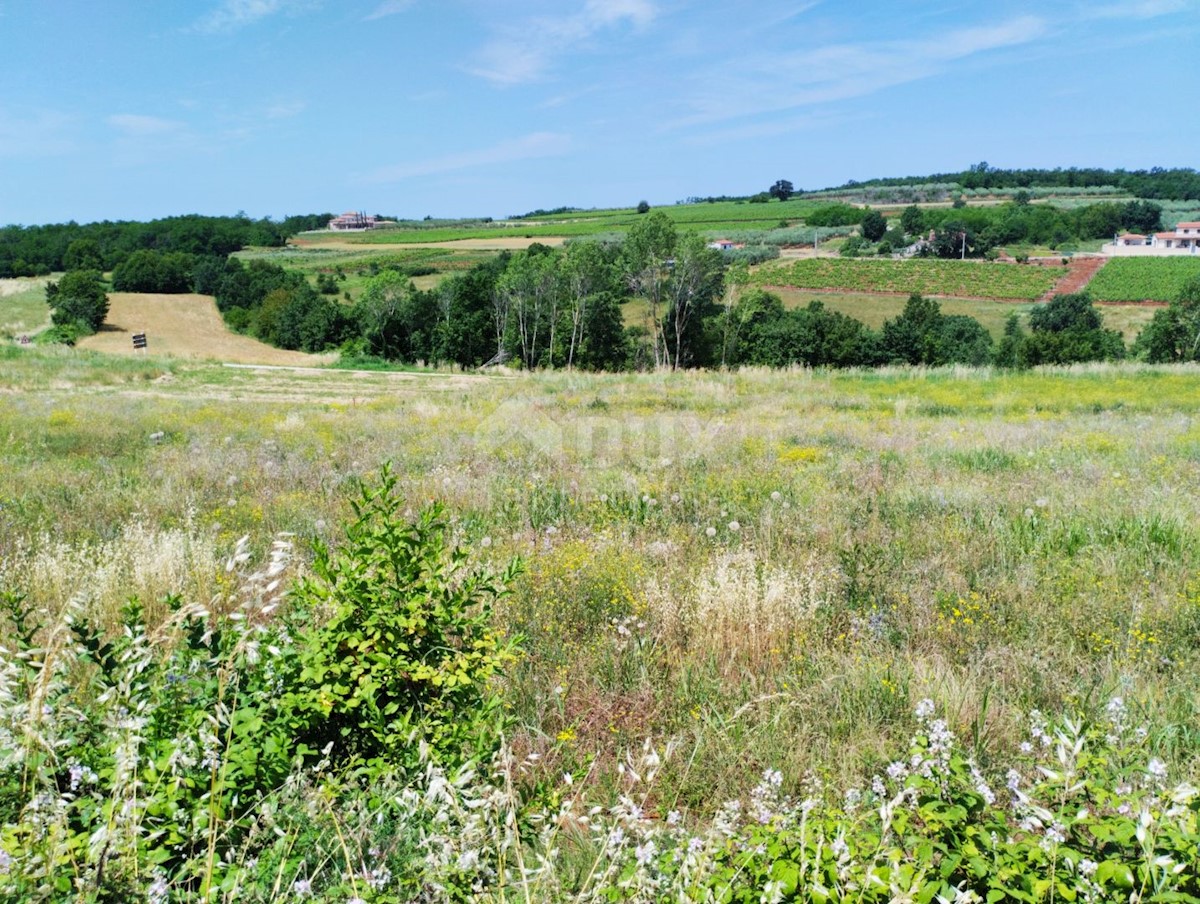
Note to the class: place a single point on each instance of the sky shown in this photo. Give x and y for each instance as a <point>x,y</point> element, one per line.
<point>116,109</point>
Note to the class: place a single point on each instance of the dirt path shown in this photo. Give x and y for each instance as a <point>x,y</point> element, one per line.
<point>184,326</point>
<point>1080,272</point>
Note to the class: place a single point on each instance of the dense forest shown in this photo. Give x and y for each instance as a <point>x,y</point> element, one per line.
<point>40,250</point>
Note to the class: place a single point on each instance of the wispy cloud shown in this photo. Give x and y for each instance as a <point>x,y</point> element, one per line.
<point>524,52</point>
<point>231,15</point>
<point>1137,9</point>
<point>807,77</point>
<point>538,144</point>
<point>135,125</point>
<point>286,109</point>
<point>389,8</point>
<point>39,134</point>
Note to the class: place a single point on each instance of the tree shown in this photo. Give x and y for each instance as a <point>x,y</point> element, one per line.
<point>912,221</point>
<point>643,207</point>
<point>873,225</point>
<point>694,282</point>
<point>1174,333</point>
<point>644,264</point>
<point>78,299</point>
<point>1141,216</point>
<point>782,190</point>
<point>1068,329</point>
<point>83,254</point>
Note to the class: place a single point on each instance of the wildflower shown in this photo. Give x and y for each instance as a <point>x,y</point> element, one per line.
<point>776,496</point>
<point>604,497</point>
<point>772,893</point>
<point>734,526</point>
<point>877,787</point>
<point>158,892</point>
<point>302,888</point>
<point>485,542</point>
<point>645,853</point>
<point>616,838</point>
<point>6,861</point>
<point>897,771</point>
<point>468,860</point>
<point>710,532</point>
<point>1026,747</point>
<point>1012,780</point>
<point>1157,768</point>
<point>673,818</point>
<point>695,845</point>
<point>1087,867</point>
<point>675,497</point>
<point>925,709</point>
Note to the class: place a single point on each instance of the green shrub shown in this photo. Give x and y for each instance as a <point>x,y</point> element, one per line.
<point>403,651</point>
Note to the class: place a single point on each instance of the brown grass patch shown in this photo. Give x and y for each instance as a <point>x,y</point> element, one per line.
<point>184,326</point>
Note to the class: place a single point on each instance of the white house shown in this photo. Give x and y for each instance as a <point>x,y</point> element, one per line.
<point>1186,236</point>
<point>1183,239</point>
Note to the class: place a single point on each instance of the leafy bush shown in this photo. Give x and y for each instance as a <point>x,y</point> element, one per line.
<point>156,754</point>
<point>405,647</point>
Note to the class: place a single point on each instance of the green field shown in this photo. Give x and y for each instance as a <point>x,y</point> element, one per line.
<point>1143,278</point>
<point>717,217</point>
<point>971,279</point>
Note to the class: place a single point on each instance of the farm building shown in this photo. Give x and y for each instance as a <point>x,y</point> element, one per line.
<point>1132,239</point>
<point>724,245</point>
<point>354,220</point>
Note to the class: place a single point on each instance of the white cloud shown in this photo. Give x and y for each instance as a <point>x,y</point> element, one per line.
<point>538,144</point>
<point>135,125</point>
<point>389,8</point>
<point>1136,9</point>
<point>38,134</point>
<point>523,52</point>
<point>806,77</point>
<point>286,110</point>
<point>231,15</point>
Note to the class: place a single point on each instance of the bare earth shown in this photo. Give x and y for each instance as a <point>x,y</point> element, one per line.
<point>184,326</point>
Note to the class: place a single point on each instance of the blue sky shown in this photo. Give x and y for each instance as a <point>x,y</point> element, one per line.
<point>114,109</point>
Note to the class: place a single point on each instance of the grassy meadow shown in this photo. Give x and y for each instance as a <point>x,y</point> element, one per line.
<point>22,307</point>
<point>769,567</point>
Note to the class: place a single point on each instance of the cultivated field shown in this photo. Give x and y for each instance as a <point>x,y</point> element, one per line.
<point>962,279</point>
<point>185,326</point>
<point>1143,278</point>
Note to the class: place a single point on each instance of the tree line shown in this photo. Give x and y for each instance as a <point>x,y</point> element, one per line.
<point>566,308</point>
<point>1180,183</point>
<point>41,250</point>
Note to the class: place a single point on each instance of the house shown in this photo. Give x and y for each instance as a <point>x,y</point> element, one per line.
<point>724,245</point>
<point>1183,239</point>
<point>354,220</point>
<point>1185,236</point>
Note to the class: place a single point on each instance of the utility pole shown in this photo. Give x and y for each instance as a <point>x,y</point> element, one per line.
<point>964,248</point>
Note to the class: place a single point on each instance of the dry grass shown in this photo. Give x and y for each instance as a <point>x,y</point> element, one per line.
<point>184,326</point>
<point>1000,541</point>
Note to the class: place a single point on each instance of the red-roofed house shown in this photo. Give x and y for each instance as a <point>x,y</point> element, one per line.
<point>1185,236</point>
<point>354,220</point>
<point>1183,239</point>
